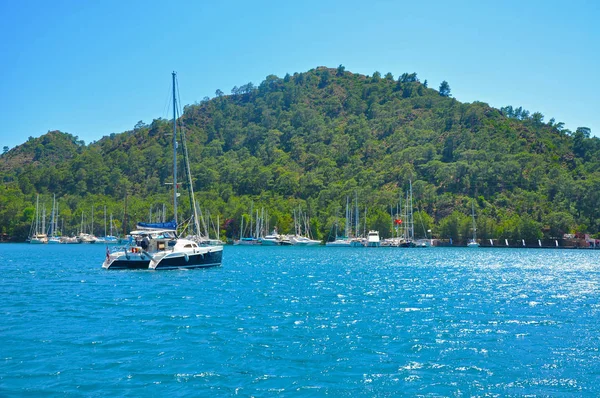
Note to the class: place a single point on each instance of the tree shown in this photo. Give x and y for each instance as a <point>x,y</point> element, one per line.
<point>586,131</point>
<point>325,77</point>
<point>219,93</point>
<point>340,70</point>
<point>408,78</point>
<point>445,89</point>
<point>580,141</point>
<point>537,118</point>
<point>140,125</point>
<point>5,149</point>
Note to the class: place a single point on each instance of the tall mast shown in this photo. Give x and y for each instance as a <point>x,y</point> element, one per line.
<point>52,216</point>
<point>174,151</point>
<point>356,227</point>
<point>412,220</point>
<point>37,215</point>
<point>346,231</point>
<point>474,226</point>
<point>125,217</point>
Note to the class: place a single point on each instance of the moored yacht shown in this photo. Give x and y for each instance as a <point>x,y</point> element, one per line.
<point>37,235</point>
<point>161,249</point>
<point>340,242</point>
<point>274,239</point>
<point>373,239</point>
<point>304,241</point>
<point>473,241</point>
<point>157,246</point>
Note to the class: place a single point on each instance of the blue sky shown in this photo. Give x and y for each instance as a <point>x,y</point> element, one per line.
<point>96,68</point>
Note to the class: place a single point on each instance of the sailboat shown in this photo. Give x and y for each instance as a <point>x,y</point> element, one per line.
<point>37,235</point>
<point>107,239</point>
<point>247,240</point>
<point>83,236</point>
<point>345,240</point>
<point>53,238</point>
<point>473,241</point>
<point>157,246</point>
<point>300,239</point>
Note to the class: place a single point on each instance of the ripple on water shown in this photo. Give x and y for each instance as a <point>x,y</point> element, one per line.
<point>313,321</point>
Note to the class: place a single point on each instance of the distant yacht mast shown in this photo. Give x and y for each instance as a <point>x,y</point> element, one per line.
<point>174,150</point>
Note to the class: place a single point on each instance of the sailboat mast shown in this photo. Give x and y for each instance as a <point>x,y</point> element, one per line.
<point>356,227</point>
<point>37,215</point>
<point>125,216</point>
<point>412,220</point>
<point>52,216</point>
<point>474,226</point>
<point>174,151</point>
<point>347,227</point>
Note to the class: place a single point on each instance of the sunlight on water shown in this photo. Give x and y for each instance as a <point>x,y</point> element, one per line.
<point>310,321</point>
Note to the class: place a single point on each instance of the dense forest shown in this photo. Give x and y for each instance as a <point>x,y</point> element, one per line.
<point>310,140</point>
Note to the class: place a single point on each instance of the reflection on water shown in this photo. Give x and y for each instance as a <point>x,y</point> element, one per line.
<point>314,321</point>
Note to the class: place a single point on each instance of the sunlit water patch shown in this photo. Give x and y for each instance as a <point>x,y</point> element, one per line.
<point>307,321</point>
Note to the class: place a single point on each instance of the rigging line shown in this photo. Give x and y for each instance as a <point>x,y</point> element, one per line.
<point>187,162</point>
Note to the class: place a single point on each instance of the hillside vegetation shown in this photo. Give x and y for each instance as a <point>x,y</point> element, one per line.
<point>310,140</point>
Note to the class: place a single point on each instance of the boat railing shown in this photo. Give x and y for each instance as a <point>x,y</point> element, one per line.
<point>129,247</point>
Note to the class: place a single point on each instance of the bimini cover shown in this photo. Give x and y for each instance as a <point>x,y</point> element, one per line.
<point>171,225</point>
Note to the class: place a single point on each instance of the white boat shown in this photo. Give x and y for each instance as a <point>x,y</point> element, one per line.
<point>423,243</point>
<point>300,239</point>
<point>156,246</point>
<point>38,239</point>
<point>284,240</point>
<point>473,242</point>
<point>69,240</point>
<point>273,239</point>
<point>86,238</point>
<point>342,241</point>
<point>160,250</point>
<point>304,241</point>
<point>372,239</point>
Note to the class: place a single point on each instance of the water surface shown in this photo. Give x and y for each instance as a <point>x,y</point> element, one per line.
<point>303,321</point>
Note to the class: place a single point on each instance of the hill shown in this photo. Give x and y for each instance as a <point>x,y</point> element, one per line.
<point>312,139</point>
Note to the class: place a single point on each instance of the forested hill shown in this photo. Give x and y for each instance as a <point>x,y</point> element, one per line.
<point>312,139</point>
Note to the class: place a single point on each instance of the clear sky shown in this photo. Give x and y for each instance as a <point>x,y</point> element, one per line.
<point>92,68</point>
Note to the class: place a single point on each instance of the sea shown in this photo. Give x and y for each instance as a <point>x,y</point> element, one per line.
<point>302,321</point>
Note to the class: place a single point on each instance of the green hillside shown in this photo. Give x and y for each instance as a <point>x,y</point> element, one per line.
<point>314,138</point>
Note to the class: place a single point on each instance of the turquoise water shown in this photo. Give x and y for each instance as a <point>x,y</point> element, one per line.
<point>303,322</point>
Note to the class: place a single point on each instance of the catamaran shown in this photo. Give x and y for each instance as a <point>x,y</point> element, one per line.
<point>157,246</point>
